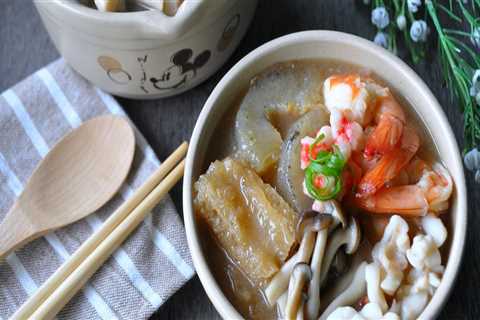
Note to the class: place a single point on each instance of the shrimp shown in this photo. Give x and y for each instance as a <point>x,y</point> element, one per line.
<point>430,191</point>
<point>348,95</point>
<point>390,120</point>
<point>406,200</point>
<point>389,165</point>
<point>437,185</point>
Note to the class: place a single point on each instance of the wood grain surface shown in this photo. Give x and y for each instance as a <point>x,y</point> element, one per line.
<point>25,47</point>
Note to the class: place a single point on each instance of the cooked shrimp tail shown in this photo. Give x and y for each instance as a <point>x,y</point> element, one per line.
<point>404,200</point>
<point>390,121</point>
<point>390,164</point>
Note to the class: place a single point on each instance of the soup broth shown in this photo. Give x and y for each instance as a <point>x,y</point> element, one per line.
<point>308,75</point>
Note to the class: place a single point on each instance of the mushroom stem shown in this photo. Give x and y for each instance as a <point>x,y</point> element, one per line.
<point>334,243</point>
<point>313,302</point>
<point>300,276</point>
<point>300,315</point>
<point>281,304</point>
<point>349,237</point>
<point>279,283</point>
<point>351,294</point>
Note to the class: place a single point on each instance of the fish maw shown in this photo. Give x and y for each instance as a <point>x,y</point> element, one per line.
<point>247,217</point>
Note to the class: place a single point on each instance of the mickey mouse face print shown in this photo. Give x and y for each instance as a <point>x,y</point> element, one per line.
<point>183,69</point>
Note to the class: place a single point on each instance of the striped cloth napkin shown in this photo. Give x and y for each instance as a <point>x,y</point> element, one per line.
<point>153,262</point>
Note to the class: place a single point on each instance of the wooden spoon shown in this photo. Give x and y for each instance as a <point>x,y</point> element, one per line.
<point>78,176</point>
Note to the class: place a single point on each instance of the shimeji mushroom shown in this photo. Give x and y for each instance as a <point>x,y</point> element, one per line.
<point>313,302</point>
<point>281,304</point>
<point>309,224</point>
<point>350,237</point>
<point>351,294</point>
<point>333,208</point>
<point>374,292</point>
<point>110,5</point>
<point>301,275</point>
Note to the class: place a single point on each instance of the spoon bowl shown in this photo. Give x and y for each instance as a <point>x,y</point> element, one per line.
<point>78,176</point>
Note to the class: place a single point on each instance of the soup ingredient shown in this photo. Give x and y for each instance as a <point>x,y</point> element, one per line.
<point>392,256</point>
<point>425,275</point>
<point>350,237</point>
<point>110,5</point>
<point>308,226</point>
<point>248,218</point>
<point>284,91</point>
<point>152,4</point>
<point>333,208</point>
<point>289,173</point>
<point>313,302</point>
<point>390,120</point>
<point>405,200</point>
<point>436,184</point>
<point>390,164</point>
<point>356,290</point>
<point>431,191</point>
<point>371,311</point>
<point>390,252</point>
<point>170,7</point>
<point>348,95</point>
<point>323,174</point>
<point>434,227</point>
<point>374,292</point>
<point>301,275</point>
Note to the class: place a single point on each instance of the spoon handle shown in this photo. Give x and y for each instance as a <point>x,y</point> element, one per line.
<point>75,281</point>
<point>15,231</point>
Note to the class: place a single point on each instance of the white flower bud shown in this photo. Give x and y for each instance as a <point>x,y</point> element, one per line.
<point>380,17</point>
<point>475,38</point>
<point>413,5</point>
<point>419,31</point>
<point>472,159</point>
<point>401,22</point>
<point>477,176</point>
<point>475,88</point>
<point>381,39</point>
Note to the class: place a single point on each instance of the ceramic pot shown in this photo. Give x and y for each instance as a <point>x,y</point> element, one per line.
<point>147,54</point>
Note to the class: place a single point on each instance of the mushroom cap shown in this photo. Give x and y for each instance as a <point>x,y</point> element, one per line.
<point>354,238</point>
<point>302,269</point>
<point>338,214</point>
<point>301,275</point>
<point>313,221</point>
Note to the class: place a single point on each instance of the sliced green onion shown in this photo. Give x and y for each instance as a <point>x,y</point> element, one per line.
<point>320,137</point>
<point>329,165</point>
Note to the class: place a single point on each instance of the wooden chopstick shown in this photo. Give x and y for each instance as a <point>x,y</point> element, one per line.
<point>75,281</point>
<point>136,201</point>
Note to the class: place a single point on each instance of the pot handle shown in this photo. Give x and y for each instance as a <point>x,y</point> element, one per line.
<point>157,23</point>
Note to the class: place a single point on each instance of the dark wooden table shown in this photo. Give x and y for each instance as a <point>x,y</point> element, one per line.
<point>25,47</point>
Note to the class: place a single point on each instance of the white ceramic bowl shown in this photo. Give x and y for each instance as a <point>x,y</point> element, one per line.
<point>348,48</point>
<point>146,54</point>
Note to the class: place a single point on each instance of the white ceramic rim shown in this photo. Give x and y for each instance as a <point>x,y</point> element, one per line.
<point>221,303</point>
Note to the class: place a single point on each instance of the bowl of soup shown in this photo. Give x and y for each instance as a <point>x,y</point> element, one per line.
<point>323,181</point>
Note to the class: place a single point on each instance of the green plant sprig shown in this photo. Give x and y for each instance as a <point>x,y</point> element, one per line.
<point>459,62</point>
<point>458,59</point>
